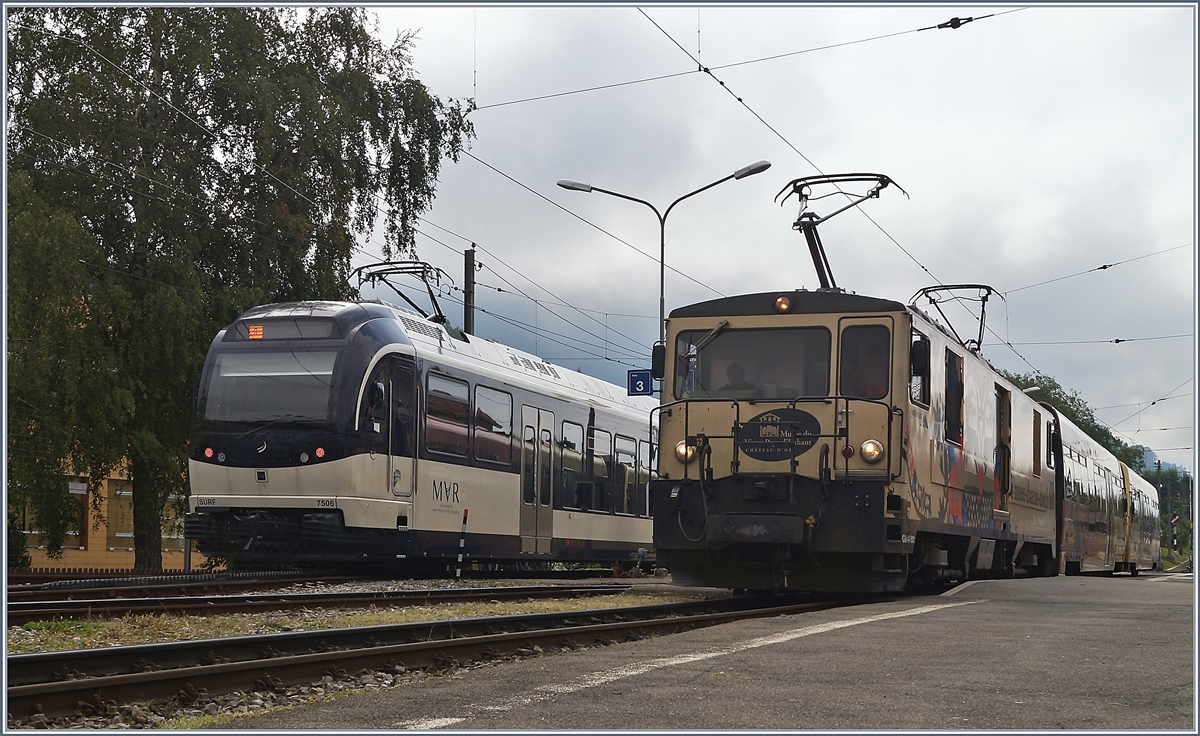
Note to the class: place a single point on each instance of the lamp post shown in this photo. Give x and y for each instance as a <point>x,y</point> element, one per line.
<point>755,168</point>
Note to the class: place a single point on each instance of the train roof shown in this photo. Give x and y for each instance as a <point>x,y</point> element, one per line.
<point>431,340</point>
<point>803,301</point>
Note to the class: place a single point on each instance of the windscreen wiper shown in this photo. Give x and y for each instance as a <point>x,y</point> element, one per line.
<point>275,422</point>
<point>690,355</point>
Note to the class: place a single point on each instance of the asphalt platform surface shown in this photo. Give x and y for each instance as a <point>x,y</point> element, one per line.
<point>1078,653</point>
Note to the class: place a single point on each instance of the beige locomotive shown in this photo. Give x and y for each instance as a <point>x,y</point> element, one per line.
<point>823,440</point>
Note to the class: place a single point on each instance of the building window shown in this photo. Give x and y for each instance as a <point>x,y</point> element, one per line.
<point>120,515</point>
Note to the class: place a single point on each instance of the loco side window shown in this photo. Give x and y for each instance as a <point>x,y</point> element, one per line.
<point>447,415</point>
<point>954,397</point>
<point>865,363</point>
<point>1037,444</point>
<point>493,425</point>
<point>918,387</point>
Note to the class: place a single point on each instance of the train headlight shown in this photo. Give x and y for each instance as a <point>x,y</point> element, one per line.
<point>783,304</point>
<point>684,452</point>
<point>871,451</point>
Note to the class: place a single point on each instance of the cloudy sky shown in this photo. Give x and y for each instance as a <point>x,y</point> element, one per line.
<point>1036,144</point>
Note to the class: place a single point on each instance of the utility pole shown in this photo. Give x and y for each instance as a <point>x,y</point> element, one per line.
<point>1161,497</point>
<point>469,292</point>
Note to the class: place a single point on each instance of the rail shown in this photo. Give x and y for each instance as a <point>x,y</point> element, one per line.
<point>24,612</point>
<point>60,683</point>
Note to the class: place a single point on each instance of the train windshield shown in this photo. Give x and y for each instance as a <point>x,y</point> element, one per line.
<point>279,386</point>
<point>775,363</point>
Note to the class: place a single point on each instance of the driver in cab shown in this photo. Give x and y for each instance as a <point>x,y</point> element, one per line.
<point>737,379</point>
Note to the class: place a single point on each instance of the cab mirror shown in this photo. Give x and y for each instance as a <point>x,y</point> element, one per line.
<point>658,360</point>
<point>920,357</point>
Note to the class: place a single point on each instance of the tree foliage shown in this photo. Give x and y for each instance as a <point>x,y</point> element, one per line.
<point>1071,405</point>
<point>169,168</point>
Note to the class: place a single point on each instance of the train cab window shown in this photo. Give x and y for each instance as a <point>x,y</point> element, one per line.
<point>954,397</point>
<point>493,425</point>
<point>918,386</point>
<point>775,363</point>
<point>601,442</point>
<point>1037,444</point>
<point>373,404</point>
<point>447,415</point>
<point>1050,445</point>
<point>626,478</point>
<point>295,385</point>
<point>864,361</point>
<point>574,493</point>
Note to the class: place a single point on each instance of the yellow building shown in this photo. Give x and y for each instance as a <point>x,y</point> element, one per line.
<point>103,542</point>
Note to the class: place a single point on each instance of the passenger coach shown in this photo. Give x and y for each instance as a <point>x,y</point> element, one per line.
<point>358,432</point>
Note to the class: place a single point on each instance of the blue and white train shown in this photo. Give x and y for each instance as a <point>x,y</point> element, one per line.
<point>360,432</point>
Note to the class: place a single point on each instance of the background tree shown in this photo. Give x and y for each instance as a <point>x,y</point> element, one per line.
<point>202,160</point>
<point>1071,405</point>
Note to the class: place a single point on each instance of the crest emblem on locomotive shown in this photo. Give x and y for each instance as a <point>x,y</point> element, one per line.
<point>779,434</point>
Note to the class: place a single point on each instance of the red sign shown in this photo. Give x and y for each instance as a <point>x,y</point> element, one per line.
<point>1174,519</point>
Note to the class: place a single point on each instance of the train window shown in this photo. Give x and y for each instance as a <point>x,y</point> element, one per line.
<point>1050,445</point>
<point>270,386</point>
<point>864,361</point>
<point>626,480</point>
<point>778,363</point>
<point>954,397</point>
<point>918,387</point>
<point>646,452</point>
<point>1037,443</point>
<point>403,411</point>
<point>493,425</point>
<point>601,442</point>
<point>546,467</point>
<point>529,468</point>
<point>573,491</point>
<point>447,415</point>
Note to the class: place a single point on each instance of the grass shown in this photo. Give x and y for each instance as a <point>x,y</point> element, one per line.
<point>52,636</point>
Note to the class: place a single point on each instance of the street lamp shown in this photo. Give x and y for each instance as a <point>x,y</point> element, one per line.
<point>576,186</point>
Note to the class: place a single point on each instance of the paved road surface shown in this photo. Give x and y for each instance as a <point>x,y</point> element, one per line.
<point>1065,652</point>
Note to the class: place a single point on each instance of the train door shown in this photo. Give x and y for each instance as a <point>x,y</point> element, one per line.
<point>1003,447</point>
<point>865,372</point>
<point>375,424</point>
<point>402,470</point>
<point>537,475</point>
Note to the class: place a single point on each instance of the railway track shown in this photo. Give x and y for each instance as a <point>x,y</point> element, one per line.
<point>133,589</point>
<point>62,683</point>
<point>20,612</point>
